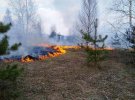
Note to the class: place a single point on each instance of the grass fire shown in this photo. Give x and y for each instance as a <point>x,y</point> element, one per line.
<point>40,52</point>
<point>54,52</point>
<point>67,49</point>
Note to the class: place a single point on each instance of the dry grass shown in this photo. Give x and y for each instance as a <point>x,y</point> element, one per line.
<point>68,77</point>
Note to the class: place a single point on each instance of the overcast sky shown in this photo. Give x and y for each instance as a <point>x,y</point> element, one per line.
<point>62,13</point>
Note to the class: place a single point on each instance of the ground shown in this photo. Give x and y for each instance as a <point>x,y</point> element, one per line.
<point>68,77</point>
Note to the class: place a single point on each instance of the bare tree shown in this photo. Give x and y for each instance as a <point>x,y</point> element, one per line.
<point>125,28</point>
<point>87,17</point>
<point>7,17</point>
<point>126,9</point>
<point>25,12</point>
<point>126,19</point>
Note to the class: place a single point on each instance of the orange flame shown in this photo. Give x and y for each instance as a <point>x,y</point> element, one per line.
<point>60,50</point>
<point>26,59</point>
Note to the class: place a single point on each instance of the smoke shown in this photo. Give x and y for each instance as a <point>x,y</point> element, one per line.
<point>58,13</point>
<point>52,17</point>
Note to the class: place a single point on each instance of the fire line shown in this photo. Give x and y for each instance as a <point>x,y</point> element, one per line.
<point>60,50</point>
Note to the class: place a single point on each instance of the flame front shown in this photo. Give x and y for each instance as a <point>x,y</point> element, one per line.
<point>26,59</point>
<point>59,50</point>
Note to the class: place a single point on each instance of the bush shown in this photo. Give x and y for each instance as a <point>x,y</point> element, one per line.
<point>8,82</point>
<point>95,56</point>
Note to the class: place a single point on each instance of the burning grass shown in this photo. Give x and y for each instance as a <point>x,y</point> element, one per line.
<point>43,54</point>
<point>59,50</point>
<point>54,51</point>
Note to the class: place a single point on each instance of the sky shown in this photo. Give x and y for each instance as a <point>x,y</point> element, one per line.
<point>62,13</point>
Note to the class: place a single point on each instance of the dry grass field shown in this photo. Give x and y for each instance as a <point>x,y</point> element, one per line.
<point>68,77</point>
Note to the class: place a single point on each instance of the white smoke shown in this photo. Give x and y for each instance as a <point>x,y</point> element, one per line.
<point>52,17</point>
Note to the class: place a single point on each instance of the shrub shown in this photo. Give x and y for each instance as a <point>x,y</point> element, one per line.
<point>8,82</point>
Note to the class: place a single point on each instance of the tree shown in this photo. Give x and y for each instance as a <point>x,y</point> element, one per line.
<point>116,41</point>
<point>53,32</point>
<point>27,24</point>
<point>8,75</point>
<point>25,12</point>
<point>87,16</point>
<point>126,11</point>
<point>131,40</point>
<point>8,82</point>
<point>95,53</point>
<point>7,18</point>
<point>88,24</point>
<point>5,48</point>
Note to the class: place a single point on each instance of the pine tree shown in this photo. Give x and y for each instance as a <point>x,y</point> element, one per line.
<point>4,44</point>
<point>116,43</point>
<point>7,18</point>
<point>4,28</point>
<point>53,32</point>
<point>131,37</point>
<point>9,74</point>
<point>131,40</point>
<point>95,53</point>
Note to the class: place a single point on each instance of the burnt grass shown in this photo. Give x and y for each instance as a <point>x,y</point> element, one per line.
<point>68,77</point>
